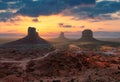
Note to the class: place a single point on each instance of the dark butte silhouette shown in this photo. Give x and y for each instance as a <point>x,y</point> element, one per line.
<point>87,36</point>
<point>31,39</point>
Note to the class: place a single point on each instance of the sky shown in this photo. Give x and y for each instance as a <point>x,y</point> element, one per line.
<point>50,17</point>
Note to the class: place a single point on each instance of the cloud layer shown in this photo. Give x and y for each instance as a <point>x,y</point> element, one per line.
<point>103,10</point>
<point>35,8</point>
<point>48,7</point>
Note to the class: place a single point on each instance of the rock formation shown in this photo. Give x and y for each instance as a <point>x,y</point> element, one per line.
<point>31,39</point>
<point>62,36</point>
<point>87,36</point>
<point>32,34</point>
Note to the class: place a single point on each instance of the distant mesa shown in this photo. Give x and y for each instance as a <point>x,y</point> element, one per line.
<point>88,40</point>
<point>61,39</point>
<point>62,36</point>
<point>31,39</point>
<point>87,36</point>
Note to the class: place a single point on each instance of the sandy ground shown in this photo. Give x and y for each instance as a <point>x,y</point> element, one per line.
<point>24,62</point>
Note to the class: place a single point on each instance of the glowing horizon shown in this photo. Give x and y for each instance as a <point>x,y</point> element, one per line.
<point>65,16</point>
<point>46,25</point>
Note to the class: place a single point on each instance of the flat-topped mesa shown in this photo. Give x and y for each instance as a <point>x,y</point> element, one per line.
<point>87,36</point>
<point>31,39</point>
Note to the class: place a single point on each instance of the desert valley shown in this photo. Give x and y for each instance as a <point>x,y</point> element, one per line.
<point>33,59</point>
<point>59,40</point>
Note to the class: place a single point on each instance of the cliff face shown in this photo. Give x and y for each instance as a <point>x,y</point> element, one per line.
<point>31,39</point>
<point>32,34</point>
<point>87,36</point>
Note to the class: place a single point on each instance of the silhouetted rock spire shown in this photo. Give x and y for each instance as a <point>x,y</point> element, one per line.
<point>32,33</point>
<point>62,35</point>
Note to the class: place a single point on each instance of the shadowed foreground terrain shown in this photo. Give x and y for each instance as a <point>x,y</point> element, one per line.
<point>71,64</point>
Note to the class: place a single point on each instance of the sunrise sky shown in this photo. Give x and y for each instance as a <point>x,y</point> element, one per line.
<point>50,17</point>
